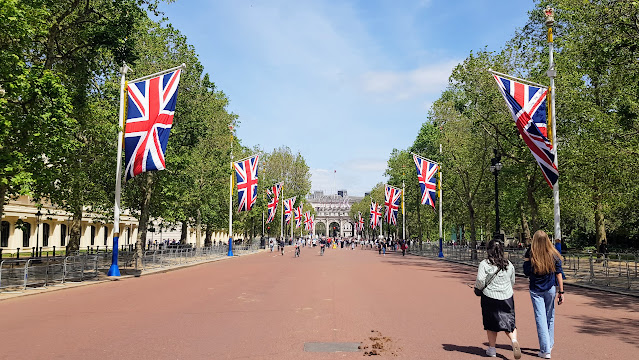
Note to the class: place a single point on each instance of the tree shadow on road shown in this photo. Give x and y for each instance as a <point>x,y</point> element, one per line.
<point>614,302</point>
<point>624,329</point>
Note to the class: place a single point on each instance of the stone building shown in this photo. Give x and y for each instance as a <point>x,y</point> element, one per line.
<point>332,213</point>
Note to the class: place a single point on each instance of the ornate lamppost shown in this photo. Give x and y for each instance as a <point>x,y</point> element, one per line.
<point>495,167</point>
<point>38,216</point>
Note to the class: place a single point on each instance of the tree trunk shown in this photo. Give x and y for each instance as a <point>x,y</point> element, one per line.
<point>198,228</point>
<point>600,225</point>
<point>524,225</point>
<point>144,215</point>
<point>207,238</point>
<point>532,202</point>
<point>3,193</point>
<point>75,231</point>
<point>183,232</point>
<point>473,235</point>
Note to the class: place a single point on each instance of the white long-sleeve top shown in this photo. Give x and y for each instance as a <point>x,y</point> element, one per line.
<point>501,287</point>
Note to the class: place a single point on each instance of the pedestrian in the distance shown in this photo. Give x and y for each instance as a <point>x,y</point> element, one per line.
<point>542,265</point>
<point>496,277</point>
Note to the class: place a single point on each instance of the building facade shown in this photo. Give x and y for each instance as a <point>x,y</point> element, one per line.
<point>332,213</point>
<point>21,230</point>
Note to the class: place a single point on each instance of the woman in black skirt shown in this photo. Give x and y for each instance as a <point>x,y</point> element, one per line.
<point>496,277</point>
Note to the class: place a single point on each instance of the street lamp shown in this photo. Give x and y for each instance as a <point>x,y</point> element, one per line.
<point>38,216</point>
<point>495,167</point>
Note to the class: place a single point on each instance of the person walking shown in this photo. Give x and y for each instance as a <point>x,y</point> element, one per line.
<point>495,278</point>
<point>542,265</point>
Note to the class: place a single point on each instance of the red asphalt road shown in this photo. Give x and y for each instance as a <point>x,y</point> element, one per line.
<point>267,306</point>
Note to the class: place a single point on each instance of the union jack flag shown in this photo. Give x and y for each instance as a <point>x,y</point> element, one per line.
<point>274,198</point>
<point>376,214</point>
<point>288,209</point>
<point>426,171</point>
<point>151,105</point>
<point>527,104</point>
<point>308,221</point>
<point>393,196</point>
<point>360,221</point>
<point>246,175</point>
<point>298,216</point>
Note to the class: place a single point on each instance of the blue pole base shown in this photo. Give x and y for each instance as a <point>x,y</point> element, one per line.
<point>441,253</point>
<point>114,270</point>
<point>230,253</point>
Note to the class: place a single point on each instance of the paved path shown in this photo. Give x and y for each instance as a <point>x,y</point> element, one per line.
<point>268,306</point>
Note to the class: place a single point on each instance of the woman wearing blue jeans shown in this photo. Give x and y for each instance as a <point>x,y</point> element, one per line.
<point>542,265</point>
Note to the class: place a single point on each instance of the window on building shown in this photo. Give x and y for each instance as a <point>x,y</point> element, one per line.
<point>4,234</point>
<point>45,234</point>
<point>63,235</point>
<point>106,234</point>
<point>26,234</point>
<point>92,235</point>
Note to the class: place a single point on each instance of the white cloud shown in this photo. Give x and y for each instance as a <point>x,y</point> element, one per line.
<point>402,85</point>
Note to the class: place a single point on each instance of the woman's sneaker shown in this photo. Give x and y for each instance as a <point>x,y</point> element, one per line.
<point>516,350</point>
<point>491,351</point>
<point>544,355</point>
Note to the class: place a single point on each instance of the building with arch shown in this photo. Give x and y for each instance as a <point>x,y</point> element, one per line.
<point>332,213</point>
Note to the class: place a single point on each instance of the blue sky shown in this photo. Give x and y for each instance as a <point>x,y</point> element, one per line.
<point>342,82</point>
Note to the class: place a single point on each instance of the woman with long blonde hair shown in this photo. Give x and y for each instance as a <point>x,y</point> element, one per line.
<point>542,265</point>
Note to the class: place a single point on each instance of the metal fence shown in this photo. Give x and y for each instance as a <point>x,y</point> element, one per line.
<point>22,274</point>
<point>614,271</point>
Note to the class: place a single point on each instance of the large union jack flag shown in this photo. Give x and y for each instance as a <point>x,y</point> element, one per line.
<point>298,216</point>
<point>426,171</point>
<point>376,214</point>
<point>288,209</point>
<point>308,221</point>
<point>273,194</point>
<point>246,176</point>
<point>392,198</point>
<point>527,104</point>
<point>151,105</point>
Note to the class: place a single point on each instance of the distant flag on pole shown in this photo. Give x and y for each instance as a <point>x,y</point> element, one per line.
<point>151,105</point>
<point>307,221</point>
<point>298,216</point>
<point>392,198</point>
<point>376,214</point>
<point>273,194</point>
<point>288,209</point>
<point>527,104</point>
<point>360,221</point>
<point>426,171</point>
<point>246,176</point>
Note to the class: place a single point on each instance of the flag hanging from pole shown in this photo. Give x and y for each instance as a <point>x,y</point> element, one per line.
<point>527,104</point>
<point>151,105</point>
<point>376,214</point>
<point>298,216</point>
<point>426,171</point>
<point>360,221</point>
<point>307,221</point>
<point>288,209</point>
<point>246,176</point>
<point>273,194</point>
<point>392,197</point>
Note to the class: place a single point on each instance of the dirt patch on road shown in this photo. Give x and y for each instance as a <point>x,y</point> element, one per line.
<point>377,344</point>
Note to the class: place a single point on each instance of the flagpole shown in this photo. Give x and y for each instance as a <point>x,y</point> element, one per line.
<point>552,72</point>
<point>403,210</point>
<point>230,253</point>
<point>282,225</point>
<point>114,270</point>
<point>291,219</point>
<point>441,230</point>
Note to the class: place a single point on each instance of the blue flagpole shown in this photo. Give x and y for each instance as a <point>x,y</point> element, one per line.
<point>114,270</point>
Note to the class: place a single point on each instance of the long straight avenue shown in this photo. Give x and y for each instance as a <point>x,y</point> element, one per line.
<point>272,306</point>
